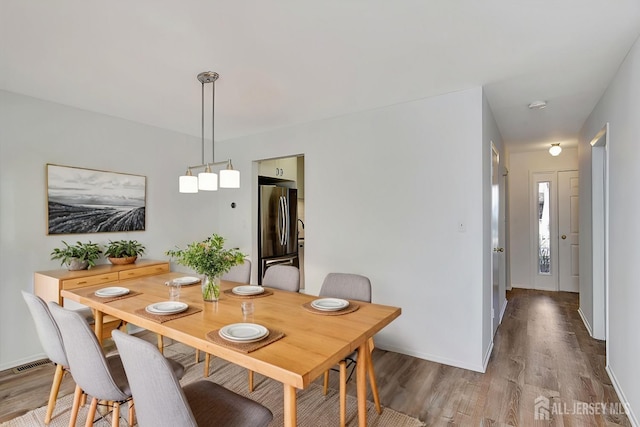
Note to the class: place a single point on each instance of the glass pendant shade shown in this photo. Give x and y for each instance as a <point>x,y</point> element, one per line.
<point>188,184</point>
<point>229,178</point>
<point>555,149</point>
<point>207,181</point>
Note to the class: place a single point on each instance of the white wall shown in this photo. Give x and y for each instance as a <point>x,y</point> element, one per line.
<point>384,191</point>
<point>35,132</point>
<point>521,164</point>
<point>620,106</point>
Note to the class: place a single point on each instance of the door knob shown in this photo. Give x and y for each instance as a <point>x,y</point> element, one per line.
<point>498,249</point>
<point>564,237</point>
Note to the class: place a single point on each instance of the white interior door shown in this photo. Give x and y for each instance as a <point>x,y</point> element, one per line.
<point>568,230</point>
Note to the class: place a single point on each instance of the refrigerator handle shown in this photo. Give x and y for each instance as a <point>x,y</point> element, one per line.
<point>285,241</point>
<point>281,213</point>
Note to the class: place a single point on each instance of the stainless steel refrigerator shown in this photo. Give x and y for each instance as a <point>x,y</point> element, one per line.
<point>277,227</point>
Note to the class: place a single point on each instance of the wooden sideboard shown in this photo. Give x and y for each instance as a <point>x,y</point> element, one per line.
<point>48,284</point>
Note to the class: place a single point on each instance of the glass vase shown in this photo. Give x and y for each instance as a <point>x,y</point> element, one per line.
<point>211,288</point>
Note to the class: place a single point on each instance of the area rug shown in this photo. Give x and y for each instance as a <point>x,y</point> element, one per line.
<point>314,409</point>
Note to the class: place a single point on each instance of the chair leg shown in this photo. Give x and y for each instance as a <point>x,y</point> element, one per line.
<point>77,395</point>
<point>207,360</point>
<point>343,393</point>
<point>197,356</point>
<point>250,381</point>
<point>132,414</point>
<point>53,394</point>
<point>325,383</point>
<point>161,343</point>
<point>92,412</point>
<point>83,399</point>
<point>115,415</point>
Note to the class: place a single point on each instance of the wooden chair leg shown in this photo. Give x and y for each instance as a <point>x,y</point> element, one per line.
<point>92,412</point>
<point>115,415</point>
<point>250,381</point>
<point>132,414</point>
<point>325,383</point>
<point>207,360</point>
<point>161,343</point>
<point>343,393</point>
<point>197,356</point>
<point>53,394</point>
<point>77,395</point>
<point>83,399</point>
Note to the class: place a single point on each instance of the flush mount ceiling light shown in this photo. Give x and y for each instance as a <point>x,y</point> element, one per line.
<point>537,105</point>
<point>555,149</point>
<point>207,180</point>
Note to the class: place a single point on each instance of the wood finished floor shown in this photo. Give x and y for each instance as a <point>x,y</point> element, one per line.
<point>541,348</point>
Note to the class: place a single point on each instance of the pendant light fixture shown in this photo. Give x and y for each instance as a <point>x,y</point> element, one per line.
<point>208,180</point>
<point>555,149</point>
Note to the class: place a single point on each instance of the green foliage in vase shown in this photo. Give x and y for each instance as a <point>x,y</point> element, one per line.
<point>124,248</point>
<point>89,252</point>
<point>208,257</point>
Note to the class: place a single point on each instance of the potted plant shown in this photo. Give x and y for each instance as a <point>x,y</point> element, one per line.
<point>210,259</point>
<point>124,251</point>
<point>79,256</point>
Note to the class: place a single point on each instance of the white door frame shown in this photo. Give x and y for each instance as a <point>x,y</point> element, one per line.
<point>600,234</point>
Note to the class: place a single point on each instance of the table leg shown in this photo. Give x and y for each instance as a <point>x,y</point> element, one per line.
<point>98,317</point>
<point>361,376</point>
<point>290,406</point>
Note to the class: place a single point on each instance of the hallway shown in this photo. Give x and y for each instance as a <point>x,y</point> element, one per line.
<point>541,349</point>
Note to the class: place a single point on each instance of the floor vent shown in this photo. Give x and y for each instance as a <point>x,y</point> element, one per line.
<point>23,368</point>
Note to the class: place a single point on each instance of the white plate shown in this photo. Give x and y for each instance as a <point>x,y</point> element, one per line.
<point>248,290</point>
<point>186,280</point>
<point>330,304</point>
<point>243,332</point>
<point>167,307</point>
<point>114,291</point>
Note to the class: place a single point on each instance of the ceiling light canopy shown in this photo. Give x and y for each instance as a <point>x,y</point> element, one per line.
<point>555,149</point>
<point>207,180</point>
<point>537,105</point>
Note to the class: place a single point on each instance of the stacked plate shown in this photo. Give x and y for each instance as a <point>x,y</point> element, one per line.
<point>330,304</point>
<point>248,290</point>
<point>114,291</point>
<point>243,332</point>
<point>166,308</point>
<point>186,280</point>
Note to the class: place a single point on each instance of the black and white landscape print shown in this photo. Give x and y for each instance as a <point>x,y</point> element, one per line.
<point>91,201</point>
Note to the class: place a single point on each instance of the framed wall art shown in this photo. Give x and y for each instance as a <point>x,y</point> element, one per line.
<point>83,200</point>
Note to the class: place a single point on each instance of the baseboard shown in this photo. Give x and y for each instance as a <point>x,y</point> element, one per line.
<point>22,361</point>
<point>586,322</point>
<point>504,308</point>
<point>616,386</point>
<point>430,357</point>
<point>487,356</point>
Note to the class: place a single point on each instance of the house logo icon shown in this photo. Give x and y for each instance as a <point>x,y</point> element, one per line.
<point>541,408</point>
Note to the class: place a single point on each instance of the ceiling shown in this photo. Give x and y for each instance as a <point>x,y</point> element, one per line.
<point>284,62</point>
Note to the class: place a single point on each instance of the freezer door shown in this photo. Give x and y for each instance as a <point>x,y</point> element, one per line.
<point>272,221</point>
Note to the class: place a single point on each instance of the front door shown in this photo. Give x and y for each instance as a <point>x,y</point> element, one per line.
<point>498,252</point>
<point>568,230</point>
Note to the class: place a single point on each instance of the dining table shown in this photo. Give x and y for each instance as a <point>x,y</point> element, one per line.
<point>310,342</point>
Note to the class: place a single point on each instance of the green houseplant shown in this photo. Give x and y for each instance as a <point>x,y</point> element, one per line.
<point>79,256</point>
<point>124,251</point>
<point>210,259</point>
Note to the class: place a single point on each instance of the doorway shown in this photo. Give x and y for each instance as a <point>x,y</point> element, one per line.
<point>554,231</point>
<point>498,251</point>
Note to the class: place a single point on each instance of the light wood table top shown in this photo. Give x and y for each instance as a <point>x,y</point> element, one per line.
<point>312,344</point>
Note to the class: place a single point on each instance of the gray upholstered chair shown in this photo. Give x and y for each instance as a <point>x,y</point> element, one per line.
<point>161,401</point>
<point>240,273</point>
<point>285,277</point>
<point>358,288</point>
<point>51,342</point>
<point>101,377</point>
